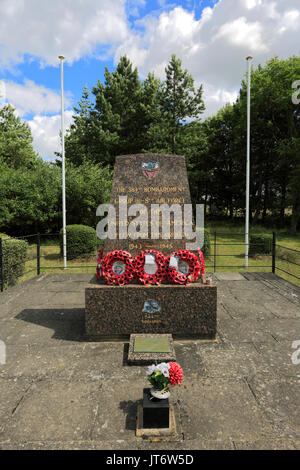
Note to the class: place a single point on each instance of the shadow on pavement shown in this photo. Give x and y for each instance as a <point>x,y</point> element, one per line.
<point>130,410</point>
<point>67,323</point>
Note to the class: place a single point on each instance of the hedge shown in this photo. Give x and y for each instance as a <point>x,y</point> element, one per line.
<point>14,256</point>
<point>82,241</point>
<point>260,245</point>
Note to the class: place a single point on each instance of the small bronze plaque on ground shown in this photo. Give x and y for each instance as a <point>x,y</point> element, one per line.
<point>150,344</point>
<point>147,349</point>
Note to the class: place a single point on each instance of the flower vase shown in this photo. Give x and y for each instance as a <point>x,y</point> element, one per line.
<point>160,394</point>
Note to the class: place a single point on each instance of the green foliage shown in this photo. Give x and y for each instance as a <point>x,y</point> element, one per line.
<point>275,125</point>
<point>14,255</point>
<point>126,115</point>
<point>130,116</point>
<point>80,137</point>
<point>117,115</point>
<point>15,140</point>
<point>87,187</point>
<point>179,98</point>
<point>30,199</point>
<point>158,380</point>
<point>260,245</point>
<point>82,241</point>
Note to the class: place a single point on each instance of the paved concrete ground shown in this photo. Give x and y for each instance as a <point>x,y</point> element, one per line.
<point>59,391</point>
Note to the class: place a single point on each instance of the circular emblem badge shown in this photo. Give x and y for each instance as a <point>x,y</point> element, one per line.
<point>183,267</point>
<point>118,268</point>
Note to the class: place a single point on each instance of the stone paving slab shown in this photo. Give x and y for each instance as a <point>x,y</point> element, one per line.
<point>244,330</point>
<point>60,391</point>
<point>54,410</point>
<point>279,400</point>
<point>279,359</point>
<point>219,409</point>
<point>229,276</point>
<point>243,361</point>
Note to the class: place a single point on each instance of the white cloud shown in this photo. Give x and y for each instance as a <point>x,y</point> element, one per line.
<point>32,98</point>
<point>37,100</point>
<point>241,33</point>
<point>45,29</point>
<point>214,47</point>
<point>252,3</point>
<point>216,98</point>
<point>45,132</point>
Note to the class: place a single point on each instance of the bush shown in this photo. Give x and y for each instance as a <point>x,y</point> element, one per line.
<point>260,245</point>
<point>81,241</point>
<point>14,256</point>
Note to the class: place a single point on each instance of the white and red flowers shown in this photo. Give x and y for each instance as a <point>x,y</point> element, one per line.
<point>164,374</point>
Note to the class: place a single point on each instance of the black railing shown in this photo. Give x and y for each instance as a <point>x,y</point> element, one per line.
<point>43,240</point>
<point>216,265</point>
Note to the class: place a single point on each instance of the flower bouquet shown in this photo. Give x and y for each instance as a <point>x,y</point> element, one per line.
<point>161,376</point>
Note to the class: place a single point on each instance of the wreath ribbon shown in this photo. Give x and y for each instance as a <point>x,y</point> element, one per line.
<point>139,265</point>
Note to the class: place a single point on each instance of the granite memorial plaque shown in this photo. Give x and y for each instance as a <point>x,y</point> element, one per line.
<point>166,183</point>
<point>150,348</point>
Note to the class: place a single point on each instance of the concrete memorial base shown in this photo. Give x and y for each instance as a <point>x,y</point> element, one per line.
<point>183,311</point>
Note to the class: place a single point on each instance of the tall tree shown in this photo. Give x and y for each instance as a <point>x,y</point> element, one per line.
<point>15,140</point>
<point>80,137</point>
<point>116,110</point>
<point>180,100</point>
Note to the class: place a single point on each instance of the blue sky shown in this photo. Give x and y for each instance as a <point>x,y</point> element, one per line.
<point>212,37</point>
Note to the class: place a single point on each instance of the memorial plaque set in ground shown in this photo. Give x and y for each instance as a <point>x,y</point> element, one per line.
<point>145,348</point>
<point>181,310</point>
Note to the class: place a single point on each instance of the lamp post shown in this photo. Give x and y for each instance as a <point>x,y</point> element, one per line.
<point>249,58</point>
<point>61,58</point>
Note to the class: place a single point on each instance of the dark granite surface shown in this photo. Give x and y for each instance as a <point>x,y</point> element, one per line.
<point>156,412</point>
<point>181,310</point>
<point>170,186</point>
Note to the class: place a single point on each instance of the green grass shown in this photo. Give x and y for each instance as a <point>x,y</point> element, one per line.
<point>230,242</point>
<point>51,262</point>
<point>229,250</point>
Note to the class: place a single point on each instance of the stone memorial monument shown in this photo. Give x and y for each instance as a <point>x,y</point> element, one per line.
<point>180,310</point>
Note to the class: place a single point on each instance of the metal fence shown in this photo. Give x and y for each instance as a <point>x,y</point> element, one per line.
<point>37,242</point>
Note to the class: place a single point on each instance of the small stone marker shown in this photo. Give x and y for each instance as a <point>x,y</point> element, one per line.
<point>155,411</point>
<point>145,349</point>
<point>155,418</point>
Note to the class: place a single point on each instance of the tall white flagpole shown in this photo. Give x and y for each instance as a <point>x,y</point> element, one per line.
<point>61,57</point>
<point>249,58</point>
